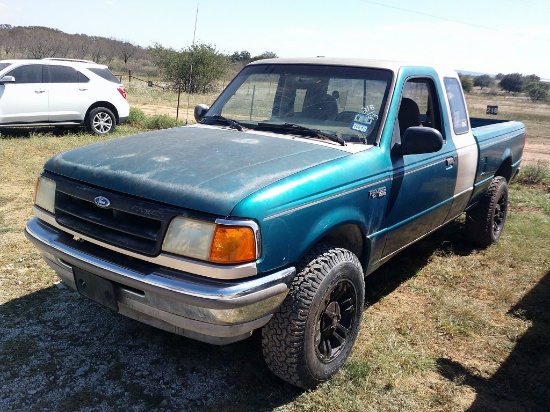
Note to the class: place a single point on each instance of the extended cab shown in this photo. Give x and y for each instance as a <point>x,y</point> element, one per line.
<point>303,177</point>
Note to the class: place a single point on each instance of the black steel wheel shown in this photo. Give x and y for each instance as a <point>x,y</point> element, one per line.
<point>311,335</point>
<point>336,321</point>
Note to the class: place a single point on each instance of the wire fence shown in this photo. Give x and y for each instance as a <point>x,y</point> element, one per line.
<point>149,83</point>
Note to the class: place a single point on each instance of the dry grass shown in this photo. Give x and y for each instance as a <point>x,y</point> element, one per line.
<point>157,101</point>
<point>446,327</point>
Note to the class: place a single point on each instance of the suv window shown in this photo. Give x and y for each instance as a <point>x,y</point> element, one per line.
<point>30,73</point>
<point>4,65</point>
<point>105,73</point>
<point>65,74</point>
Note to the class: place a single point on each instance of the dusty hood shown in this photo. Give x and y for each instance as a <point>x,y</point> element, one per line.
<point>201,168</point>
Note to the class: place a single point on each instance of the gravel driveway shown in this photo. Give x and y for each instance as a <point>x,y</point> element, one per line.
<point>60,351</point>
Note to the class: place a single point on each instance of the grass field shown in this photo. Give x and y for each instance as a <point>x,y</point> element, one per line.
<point>446,327</point>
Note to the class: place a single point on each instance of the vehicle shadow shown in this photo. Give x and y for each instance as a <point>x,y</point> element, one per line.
<point>522,383</point>
<point>27,132</point>
<point>450,239</point>
<point>60,351</point>
<point>71,353</point>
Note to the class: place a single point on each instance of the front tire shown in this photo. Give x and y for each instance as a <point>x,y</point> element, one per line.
<point>485,222</point>
<point>101,121</point>
<point>310,337</point>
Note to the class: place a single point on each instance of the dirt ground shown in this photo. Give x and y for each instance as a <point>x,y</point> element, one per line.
<point>534,152</point>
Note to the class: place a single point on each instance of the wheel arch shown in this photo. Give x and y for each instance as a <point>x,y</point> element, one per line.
<point>349,235</point>
<point>505,168</point>
<point>105,104</point>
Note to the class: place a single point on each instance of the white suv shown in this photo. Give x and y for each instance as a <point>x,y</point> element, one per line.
<point>61,92</point>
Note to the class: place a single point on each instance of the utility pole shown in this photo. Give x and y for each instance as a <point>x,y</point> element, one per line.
<point>191,67</point>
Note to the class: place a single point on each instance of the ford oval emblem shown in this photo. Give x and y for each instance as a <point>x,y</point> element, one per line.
<point>102,201</point>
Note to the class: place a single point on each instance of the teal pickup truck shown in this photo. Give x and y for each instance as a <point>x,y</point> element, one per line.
<point>303,177</point>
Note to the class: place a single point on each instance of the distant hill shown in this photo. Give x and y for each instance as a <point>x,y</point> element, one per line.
<point>37,42</point>
<point>469,73</point>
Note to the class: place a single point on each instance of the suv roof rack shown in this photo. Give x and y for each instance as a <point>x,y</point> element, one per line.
<point>68,60</point>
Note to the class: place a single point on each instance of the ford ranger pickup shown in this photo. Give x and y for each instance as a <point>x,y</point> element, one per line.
<point>303,177</point>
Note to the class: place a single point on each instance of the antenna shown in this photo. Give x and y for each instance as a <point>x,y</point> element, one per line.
<point>191,67</point>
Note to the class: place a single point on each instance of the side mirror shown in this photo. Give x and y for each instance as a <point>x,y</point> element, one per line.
<point>7,79</point>
<point>200,112</point>
<point>418,140</point>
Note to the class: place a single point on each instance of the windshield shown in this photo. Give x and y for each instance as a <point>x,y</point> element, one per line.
<point>344,101</point>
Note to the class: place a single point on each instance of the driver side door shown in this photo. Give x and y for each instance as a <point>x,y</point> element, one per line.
<point>26,99</point>
<point>422,189</point>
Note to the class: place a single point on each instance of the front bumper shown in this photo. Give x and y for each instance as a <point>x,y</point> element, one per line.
<point>210,310</point>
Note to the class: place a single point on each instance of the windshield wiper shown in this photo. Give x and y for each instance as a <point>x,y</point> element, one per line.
<point>292,128</point>
<point>230,122</point>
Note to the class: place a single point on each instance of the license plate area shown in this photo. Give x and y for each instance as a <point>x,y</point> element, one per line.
<point>95,288</point>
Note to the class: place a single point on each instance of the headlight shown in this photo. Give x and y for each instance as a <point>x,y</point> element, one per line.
<point>44,194</point>
<point>221,242</point>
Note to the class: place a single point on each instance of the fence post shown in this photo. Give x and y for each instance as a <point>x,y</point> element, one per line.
<point>129,76</point>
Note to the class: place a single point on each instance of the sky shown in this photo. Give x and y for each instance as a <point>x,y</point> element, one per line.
<point>504,36</point>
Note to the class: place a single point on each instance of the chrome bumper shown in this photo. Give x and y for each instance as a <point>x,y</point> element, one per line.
<point>210,310</point>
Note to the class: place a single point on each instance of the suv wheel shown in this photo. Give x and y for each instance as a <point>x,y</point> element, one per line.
<point>101,121</point>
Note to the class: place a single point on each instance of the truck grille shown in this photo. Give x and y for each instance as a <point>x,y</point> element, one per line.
<point>127,222</point>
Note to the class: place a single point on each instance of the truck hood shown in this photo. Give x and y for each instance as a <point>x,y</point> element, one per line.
<point>195,167</point>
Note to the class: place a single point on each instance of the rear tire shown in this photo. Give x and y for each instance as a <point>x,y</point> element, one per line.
<point>485,222</point>
<point>101,121</point>
<point>310,337</point>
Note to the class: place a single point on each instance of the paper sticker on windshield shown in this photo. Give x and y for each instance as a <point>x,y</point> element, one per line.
<point>363,121</point>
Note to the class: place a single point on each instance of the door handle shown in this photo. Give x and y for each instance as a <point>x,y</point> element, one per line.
<point>39,91</point>
<point>82,89</point>
<point>449,162</point>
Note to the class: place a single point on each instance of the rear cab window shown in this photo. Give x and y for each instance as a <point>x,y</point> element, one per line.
<point>459,115</point>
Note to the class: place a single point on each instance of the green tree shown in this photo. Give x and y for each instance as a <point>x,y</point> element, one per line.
<point>532,78</point>
<point>194,70</point>
<point>265,55</point>
<point>209,66</point>
<point>483,80</point>
<point>467,82</point>
<point>242,56</point>
<point>514,82</point>
<point>538,91</point>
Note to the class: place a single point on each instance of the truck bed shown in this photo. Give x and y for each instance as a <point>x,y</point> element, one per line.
<point>500,146</point>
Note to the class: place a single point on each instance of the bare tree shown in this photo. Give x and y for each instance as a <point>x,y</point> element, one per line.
<point>96,49</point>
<point>81,45</point>
<point>126,50</point>
<point>6,39</point>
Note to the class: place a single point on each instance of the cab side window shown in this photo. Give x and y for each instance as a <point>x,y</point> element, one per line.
<point>30,73</point>
<point>418,105</point>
